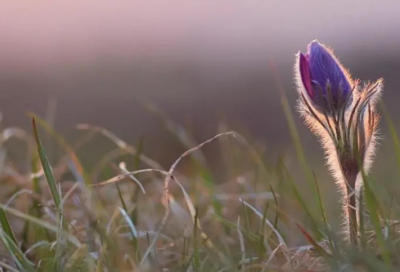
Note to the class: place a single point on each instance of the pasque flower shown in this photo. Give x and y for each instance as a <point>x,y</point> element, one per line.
<point>323,77</point>
<point>343,115</point>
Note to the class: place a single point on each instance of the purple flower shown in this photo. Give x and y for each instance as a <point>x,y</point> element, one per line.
<point>324,79</point>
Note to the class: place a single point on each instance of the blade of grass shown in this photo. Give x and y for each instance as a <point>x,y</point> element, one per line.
<point>373,208</point>
<point>131,226</point>
<point>121,198</point>
<point>393,133</point>
<point>242,248</point>
<point>18,256</point>
<point>285,176</point>
<point>261,247</point>
<point>55,196</point>
<point>275,197</point>
<point>247,220</point>
<point>323,214</point>
<point>267,222</point>
<point>3,217</point>
<point>35,233</point>
<point>322,252</point>
<point>5,225</point>
<point>49,175</point>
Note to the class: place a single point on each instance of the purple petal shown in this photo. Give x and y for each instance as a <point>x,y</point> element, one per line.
<point>324,68</point>
<point>305,74</point>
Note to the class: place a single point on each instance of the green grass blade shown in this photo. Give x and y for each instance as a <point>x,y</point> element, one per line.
<point>323,214</point>
<point>54,193</point>
<point>6,226</point>
<point>284,176</point>
<point>18,256</point>
<point>49,175</point>
<point>261,247</point>
<point>35,233</point>
<point>373,208</point>
<point>393,133</point>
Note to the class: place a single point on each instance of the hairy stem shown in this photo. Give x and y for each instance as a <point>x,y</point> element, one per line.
<point>350,207</point>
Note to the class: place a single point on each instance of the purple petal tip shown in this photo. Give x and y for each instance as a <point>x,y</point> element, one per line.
<point>305,74</point>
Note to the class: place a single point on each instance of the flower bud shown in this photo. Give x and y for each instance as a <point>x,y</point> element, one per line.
<point>325,81</point>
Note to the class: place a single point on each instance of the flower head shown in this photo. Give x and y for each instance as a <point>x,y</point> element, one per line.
<point>325,81</point>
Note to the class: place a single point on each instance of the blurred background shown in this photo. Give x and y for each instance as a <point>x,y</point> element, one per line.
<point>96,62</point>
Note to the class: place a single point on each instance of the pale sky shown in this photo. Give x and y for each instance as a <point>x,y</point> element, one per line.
<point>47,34</point>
